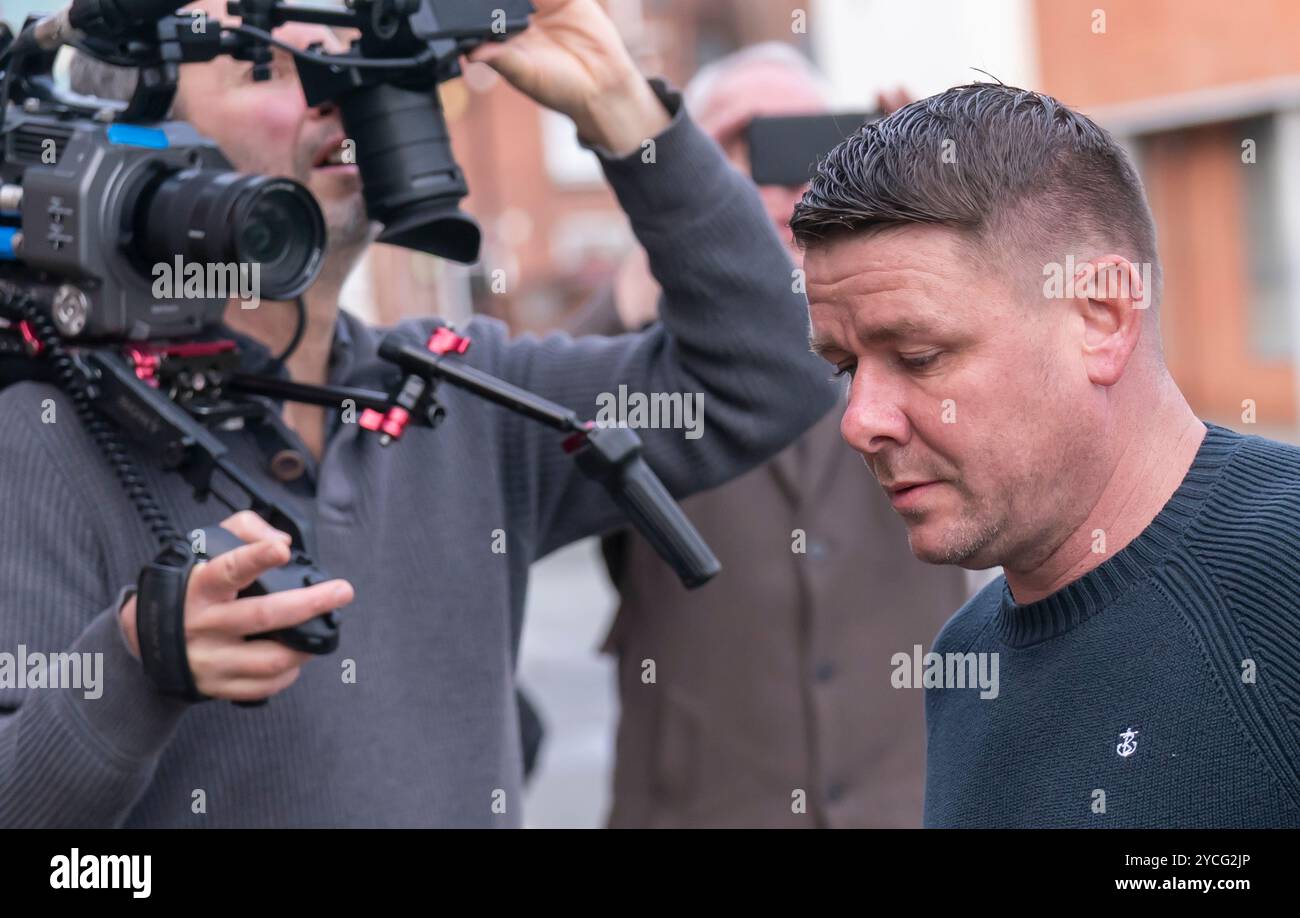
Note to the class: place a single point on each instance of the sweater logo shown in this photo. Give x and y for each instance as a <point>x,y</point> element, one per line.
<point>1127,744</point>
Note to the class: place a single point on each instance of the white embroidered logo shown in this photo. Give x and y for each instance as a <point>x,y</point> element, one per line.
<point>1127,745</point>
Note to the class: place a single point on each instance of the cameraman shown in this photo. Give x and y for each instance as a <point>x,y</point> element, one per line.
<point>414,721</point>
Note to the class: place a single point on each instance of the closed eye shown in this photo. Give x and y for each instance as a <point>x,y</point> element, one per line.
<point>919,362</point>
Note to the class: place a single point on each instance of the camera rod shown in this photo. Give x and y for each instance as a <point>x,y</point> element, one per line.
<point>608,455</point>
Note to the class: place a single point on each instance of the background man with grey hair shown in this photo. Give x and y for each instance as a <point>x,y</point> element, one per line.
<point>1145,626</point>
<point>414,722</point>
<point>772,704</point>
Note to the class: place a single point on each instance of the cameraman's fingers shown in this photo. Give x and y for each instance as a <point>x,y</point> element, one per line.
<point>258,614</point>
<point>506,59</point>
<point>221,578</point>
<point>251,689</point>
<point>250,527</point>
<point>234,660</point>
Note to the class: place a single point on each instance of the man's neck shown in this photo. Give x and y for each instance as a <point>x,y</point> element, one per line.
<point>1143,477</point>
<point>273,323</point>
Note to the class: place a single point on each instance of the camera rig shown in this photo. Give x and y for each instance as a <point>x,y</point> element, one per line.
<point>92,192</point>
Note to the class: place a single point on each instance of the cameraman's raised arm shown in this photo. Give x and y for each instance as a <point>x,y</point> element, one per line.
<point>733,328</point>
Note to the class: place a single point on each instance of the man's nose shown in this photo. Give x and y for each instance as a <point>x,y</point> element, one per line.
<point>874,417</point>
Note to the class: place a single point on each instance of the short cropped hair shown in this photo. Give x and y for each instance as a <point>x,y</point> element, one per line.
<point>1021,174</point>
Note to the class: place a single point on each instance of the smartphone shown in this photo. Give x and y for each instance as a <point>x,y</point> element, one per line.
<point>784,150</point>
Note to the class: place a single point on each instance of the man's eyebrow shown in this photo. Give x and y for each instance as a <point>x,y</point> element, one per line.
<point>820,344</point>
<point>903,327</point>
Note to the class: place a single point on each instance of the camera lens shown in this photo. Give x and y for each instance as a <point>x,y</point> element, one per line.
<point>211,216</point>
<point>270,224</point>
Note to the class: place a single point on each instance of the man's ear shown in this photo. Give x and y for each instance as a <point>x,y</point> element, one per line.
<point>1111,295</point>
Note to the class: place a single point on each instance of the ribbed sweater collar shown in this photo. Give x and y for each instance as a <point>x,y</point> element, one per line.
<point>1020,625</point>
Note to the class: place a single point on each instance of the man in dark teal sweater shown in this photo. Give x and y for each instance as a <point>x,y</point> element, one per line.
<point>982,266</point>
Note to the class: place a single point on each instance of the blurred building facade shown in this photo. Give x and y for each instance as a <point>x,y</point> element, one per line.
<point>1208,97</point>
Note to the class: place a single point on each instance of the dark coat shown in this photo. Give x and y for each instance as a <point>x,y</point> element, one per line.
<point>775,677</point>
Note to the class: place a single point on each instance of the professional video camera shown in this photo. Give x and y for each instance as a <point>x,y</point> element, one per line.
<point>93,193</point>
<point>104,191</point>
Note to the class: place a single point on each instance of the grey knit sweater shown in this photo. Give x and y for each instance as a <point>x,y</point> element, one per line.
<point>427,732</point>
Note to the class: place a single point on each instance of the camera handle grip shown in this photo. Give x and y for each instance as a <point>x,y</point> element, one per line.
<point>612,456</point>
<point>160,610</point>
<point>320,635</point>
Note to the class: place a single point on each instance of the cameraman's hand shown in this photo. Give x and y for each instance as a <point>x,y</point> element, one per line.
<point>571,59</point>
<point>224,664</point>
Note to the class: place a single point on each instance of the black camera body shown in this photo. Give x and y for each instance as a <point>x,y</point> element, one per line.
<point>99,219</point>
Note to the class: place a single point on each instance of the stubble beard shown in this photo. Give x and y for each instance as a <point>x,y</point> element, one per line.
<point>971,534</point>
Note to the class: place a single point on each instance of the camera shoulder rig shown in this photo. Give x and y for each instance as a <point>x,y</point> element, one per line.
<point>165,396</point>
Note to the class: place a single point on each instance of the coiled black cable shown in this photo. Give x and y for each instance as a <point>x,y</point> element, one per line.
<point>107,438</point>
